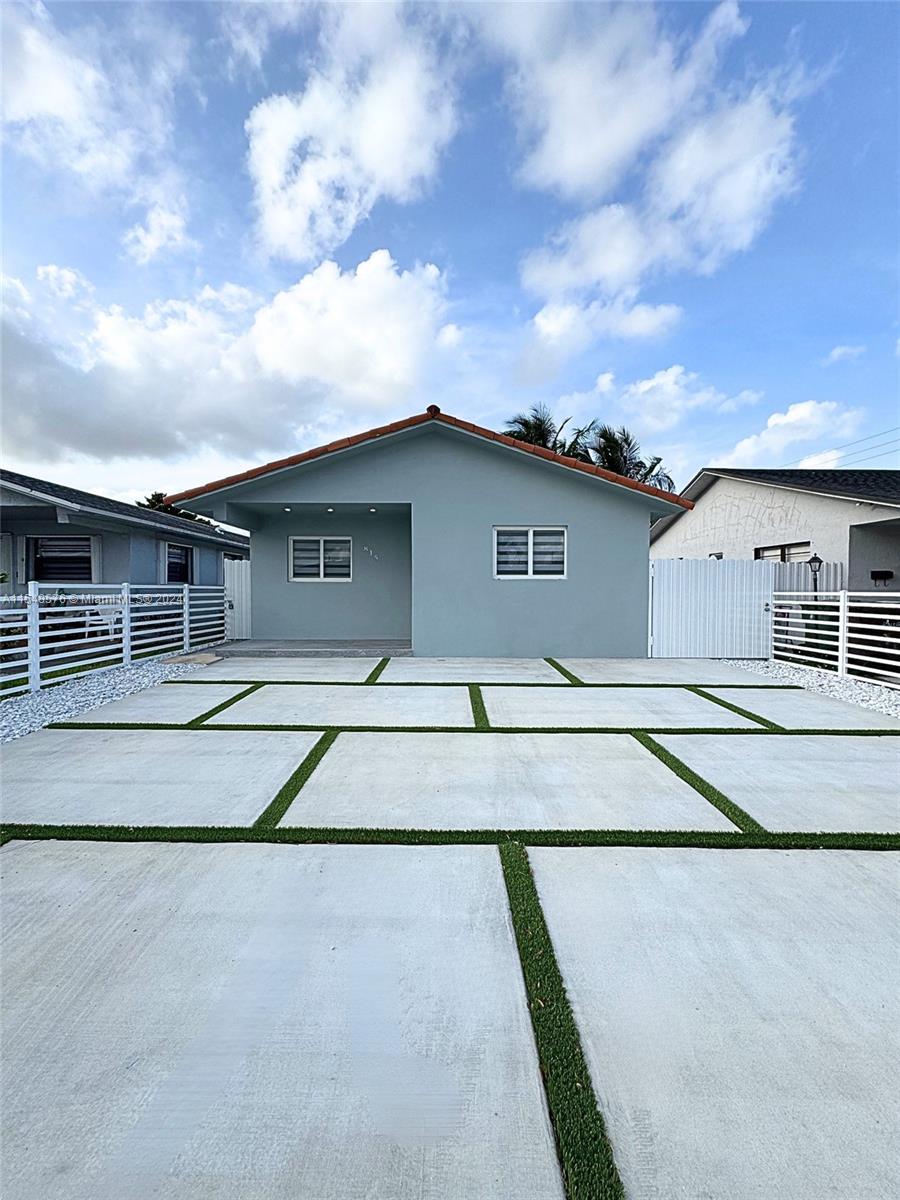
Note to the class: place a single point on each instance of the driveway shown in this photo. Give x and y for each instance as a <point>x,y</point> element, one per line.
<point>442,928</point>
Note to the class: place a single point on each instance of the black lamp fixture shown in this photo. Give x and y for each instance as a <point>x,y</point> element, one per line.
<point>815,566</point>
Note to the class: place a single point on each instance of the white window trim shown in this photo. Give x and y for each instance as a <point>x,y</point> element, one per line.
<point>22,557</point>
<point>164,562</point>
<point>563,529</point>
<point>321,538</point>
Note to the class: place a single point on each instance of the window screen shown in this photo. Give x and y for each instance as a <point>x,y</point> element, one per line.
<point>60,559</point>
<point>535,552</point>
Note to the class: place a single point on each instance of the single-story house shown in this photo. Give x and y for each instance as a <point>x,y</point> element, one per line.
<point>56,534</point>
<point>444,538</point>
<point>848,517</point>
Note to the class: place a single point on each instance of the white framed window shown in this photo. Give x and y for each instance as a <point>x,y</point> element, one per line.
<point>178,563</point>
<point>320,559</point>
<point>530,552</point>
<point>61,559</point>
<point>787,552</point>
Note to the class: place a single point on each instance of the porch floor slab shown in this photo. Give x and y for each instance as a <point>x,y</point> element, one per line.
<point>290,670</point>
<point>314,648</point>
<point>738,1010</point>
<point>347,705</point>
<point>470,670</point>
<point>794,782</point>
<point>497,781</point>
<point>271,1021</point>
<point>146,777</point>
<point>806,710</point>
<point>166,703</point>
<point>656,670</point>
<point>626,708</point>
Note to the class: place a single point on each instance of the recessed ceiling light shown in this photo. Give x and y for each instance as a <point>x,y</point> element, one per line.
<point>286,509</point>
<point>329,510</point>
<point>372,510</point>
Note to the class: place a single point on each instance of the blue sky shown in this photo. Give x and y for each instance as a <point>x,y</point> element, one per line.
<point>234,231</point>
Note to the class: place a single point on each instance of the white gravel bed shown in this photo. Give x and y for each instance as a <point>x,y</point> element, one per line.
<point>33,710</point>
<point>880,699</point>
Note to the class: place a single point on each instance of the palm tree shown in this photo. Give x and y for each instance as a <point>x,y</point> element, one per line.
<point>538,427</point>
<point>614,449</point>
<point>618,450</point>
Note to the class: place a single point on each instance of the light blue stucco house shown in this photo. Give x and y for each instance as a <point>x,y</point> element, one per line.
<point>55,534</point>
<point>435,535</point>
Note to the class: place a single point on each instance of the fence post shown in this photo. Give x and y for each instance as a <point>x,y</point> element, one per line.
<point>126,624</point>
<point>186,610</point>
<point>843,631</point>
<point>33,626</point>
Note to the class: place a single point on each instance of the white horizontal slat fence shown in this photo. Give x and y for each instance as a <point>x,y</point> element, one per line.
<point>58,630</point>
<point>851,633</point>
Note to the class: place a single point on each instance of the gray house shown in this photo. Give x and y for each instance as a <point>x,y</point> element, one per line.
<point>56,534</point>
<point>435,535</point>
<point>848,517</point>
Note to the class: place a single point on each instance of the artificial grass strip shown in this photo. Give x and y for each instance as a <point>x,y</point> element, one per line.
<point>479,712</point>
<point>727,807</point>
<point>742,712</point>
<point>372,677</point>
<point>321,728</point>
<point>565,674</point>
<point>455,683</point>
<point>198,721</point>
<point>288,792</point>
<point>585,1154</point>
<point>325,835</point>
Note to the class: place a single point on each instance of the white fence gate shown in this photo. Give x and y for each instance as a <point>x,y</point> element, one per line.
<point>237,598</point>
<point>721,608</point>
<point>852,633</point>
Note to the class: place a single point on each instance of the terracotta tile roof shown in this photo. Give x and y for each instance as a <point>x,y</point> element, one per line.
<point>432,413</point>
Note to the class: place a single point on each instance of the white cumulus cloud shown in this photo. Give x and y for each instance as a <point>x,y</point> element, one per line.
<point>664,399</point>
<point>843,354</point>
<point>97,108</point>
<point>223,372</point>
<point>370,123</point>
<point>806,421</point>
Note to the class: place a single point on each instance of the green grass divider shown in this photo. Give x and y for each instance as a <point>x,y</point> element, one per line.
<point>585,1154</point>
<point>713,730</point>
<point>573,679</point>
<point>457,683</point>
<point>372,677</point>
<point>285,797</point>
<point>742,712</point>
<point>727,807</point>
<point>479,712</point>
<point>198,721</point>
<point>700,839</point>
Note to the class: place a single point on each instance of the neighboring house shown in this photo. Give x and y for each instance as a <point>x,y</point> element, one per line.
<point>56,534</point>
<point>454,540</point>
<point>848,517</point>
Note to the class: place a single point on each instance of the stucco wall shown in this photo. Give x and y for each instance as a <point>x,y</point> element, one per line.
<point>874,548</point>
<point>459,489</point>
<point>734,517</point>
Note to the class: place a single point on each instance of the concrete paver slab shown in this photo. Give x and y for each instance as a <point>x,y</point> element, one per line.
<point>287,1022</point>
<point>627,708</point>
<point>344,705</point>
<point>806,710</point>
<point>497,781</point>
<point>738,1010</point>
<point>168,703</point>
<point>471,670</point>
<point>290,670</point>
<point>146,776</point>
<point>792,782</point>
<point>656,670</point>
